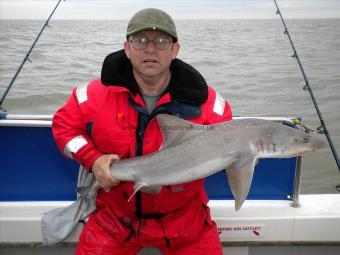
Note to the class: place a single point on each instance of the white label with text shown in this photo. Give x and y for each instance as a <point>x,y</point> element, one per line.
<point>241,231</point>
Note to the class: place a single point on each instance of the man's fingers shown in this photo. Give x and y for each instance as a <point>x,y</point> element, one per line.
<point>108,182</point>
<point>113,157</point>
<point>107,185</point>
<point>114,182</point>
<point>101,169</point>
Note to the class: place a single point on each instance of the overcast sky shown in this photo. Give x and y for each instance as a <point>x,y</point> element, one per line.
<point>178,9</point>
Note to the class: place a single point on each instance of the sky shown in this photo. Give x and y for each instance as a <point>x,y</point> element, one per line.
<point>178,9</point>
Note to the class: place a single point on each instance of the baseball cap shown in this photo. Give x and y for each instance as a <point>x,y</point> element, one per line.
<point>152,19</point>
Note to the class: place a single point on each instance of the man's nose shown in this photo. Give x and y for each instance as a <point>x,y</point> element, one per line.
<point>150,46</point>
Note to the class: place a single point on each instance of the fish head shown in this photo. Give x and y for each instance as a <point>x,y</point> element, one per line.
<point>307,142</point>
<point>274,140</point>
<point>297,142</point>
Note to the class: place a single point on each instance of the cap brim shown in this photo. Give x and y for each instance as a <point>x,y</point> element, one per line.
<point>152,28</point>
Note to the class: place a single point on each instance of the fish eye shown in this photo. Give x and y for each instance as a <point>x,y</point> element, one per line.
<point>304,139</point>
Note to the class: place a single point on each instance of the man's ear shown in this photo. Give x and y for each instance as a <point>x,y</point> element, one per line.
<point>175,50</point>
<point>127,49</point>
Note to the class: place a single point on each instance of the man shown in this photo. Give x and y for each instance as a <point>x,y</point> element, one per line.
<point>114,118</point>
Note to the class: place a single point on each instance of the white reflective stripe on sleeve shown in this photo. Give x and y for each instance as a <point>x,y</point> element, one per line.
<point>219,104</point>
<point>74,145</point>
<point>81,94</point>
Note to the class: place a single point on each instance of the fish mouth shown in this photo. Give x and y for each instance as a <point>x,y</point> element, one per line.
<point>319,147</point>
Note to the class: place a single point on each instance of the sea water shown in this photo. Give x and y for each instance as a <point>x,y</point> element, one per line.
<point>247,61</point>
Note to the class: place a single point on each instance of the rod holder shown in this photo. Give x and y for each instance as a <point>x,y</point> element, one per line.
<point>297,183</point>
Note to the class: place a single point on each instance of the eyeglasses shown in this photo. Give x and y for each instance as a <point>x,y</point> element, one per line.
<point>140,43</point>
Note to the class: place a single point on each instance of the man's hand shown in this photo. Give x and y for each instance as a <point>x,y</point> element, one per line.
<point>101,170</point>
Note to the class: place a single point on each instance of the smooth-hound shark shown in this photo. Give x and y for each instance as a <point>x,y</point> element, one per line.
<point>190,152</point>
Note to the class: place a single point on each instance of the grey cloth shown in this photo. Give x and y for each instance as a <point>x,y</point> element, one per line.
<point>59,223</point>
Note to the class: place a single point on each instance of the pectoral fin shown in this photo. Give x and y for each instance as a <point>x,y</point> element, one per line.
<point>240,175</point>
<point>144,188</point>
<point>138,185</point>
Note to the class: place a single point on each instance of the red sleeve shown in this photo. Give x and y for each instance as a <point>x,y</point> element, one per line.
<point>70,133</point>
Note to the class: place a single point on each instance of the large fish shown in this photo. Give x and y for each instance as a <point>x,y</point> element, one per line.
<point>190,152</point>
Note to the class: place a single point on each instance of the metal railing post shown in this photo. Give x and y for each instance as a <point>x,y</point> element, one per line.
<point>297,183</point>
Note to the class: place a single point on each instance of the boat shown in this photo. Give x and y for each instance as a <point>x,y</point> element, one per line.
<point>36,178</point>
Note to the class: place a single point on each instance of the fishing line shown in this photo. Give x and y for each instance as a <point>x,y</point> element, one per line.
<point>26,58</point>
<point>322,128</point>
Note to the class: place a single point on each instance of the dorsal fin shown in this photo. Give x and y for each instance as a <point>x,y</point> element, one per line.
<point>176,130</point>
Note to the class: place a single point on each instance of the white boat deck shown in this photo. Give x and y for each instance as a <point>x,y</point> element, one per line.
<point>258,221</point>
<point>317,220</point>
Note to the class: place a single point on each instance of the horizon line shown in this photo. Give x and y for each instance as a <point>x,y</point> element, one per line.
<point>269,18</point>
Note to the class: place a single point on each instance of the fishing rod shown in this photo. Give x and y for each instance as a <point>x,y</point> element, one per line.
<point>322,128</point>
<point>26,57</point>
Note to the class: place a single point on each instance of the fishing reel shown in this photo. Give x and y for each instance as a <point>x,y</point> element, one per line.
<point>297,123</point>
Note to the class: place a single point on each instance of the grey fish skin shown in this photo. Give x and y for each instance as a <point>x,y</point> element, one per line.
<point>189,152</point>
<point>192,151</point>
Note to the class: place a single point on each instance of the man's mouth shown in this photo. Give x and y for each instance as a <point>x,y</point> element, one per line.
<point>150,60</point>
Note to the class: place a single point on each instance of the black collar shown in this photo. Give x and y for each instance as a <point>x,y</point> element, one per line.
<point>186,83</point>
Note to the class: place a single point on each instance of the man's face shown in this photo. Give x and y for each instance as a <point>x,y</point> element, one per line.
<point>151,62</point>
